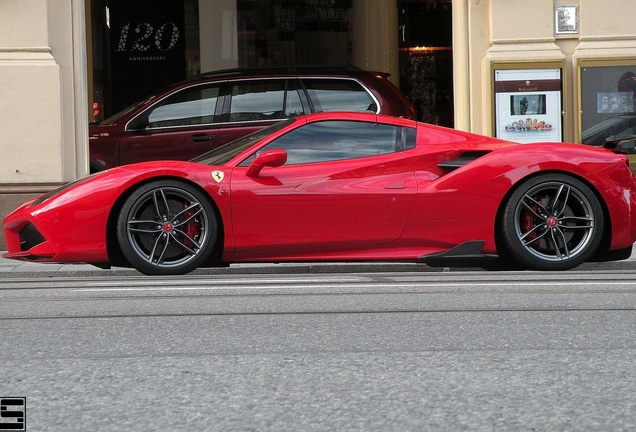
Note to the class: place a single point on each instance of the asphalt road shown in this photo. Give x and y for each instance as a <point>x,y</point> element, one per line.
<point>401,351</point>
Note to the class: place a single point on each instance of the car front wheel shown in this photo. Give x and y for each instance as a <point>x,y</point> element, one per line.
<point>167,227</point>
<point>552,222</point>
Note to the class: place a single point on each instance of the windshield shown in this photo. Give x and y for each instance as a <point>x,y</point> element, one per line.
<point>223,154</point>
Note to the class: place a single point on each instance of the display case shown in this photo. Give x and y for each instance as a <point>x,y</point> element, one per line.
<point>528,102</point>
<point>607,89</point>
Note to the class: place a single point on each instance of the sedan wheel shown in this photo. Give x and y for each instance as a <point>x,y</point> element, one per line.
<point>167,227</point>
<point>552,222</point>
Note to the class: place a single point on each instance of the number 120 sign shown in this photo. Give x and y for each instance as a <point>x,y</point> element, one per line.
<point>144,36</point>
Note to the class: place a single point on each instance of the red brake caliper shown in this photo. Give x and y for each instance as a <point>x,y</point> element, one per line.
<point>528,223</point>
<point>191,228</point>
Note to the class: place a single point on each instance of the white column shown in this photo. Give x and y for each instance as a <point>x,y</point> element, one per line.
<point>30,100</point>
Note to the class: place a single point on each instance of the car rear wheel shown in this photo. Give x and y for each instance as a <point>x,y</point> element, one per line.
<point>552,222</point>
<point>167,227</point>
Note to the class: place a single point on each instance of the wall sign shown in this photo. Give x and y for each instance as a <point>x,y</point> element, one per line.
<point>528,105</point>
<point>566,19</point>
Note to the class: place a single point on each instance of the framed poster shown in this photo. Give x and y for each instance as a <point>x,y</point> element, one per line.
<point>528,105</point>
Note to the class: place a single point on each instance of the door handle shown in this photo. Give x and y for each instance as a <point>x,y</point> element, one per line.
<point>395,185</point>
<point>202,138</point>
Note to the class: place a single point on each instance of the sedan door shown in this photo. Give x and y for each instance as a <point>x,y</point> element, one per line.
<point>180,126</point>
<point>346,185</point>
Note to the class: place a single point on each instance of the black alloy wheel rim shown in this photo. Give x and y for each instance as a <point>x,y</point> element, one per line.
<point>167,227</point>
<point>554,221</point>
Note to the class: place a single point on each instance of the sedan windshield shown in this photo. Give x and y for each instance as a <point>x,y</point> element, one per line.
<point>223,154</point>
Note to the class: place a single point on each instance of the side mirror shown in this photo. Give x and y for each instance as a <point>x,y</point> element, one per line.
<point>270,158</point>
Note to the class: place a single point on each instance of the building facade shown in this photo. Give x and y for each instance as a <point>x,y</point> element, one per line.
<point>549,70</point>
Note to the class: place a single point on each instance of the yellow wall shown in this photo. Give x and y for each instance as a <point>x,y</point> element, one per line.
<point>488,33</point>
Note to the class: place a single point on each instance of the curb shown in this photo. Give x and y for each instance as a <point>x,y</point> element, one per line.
<point>10,269</point>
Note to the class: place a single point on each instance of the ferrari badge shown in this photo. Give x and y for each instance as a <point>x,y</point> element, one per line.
<point>218,176</point>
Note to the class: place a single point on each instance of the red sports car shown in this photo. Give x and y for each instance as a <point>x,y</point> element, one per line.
<point>336,187</point>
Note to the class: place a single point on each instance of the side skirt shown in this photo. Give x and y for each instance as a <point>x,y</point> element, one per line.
<point>468,253</point>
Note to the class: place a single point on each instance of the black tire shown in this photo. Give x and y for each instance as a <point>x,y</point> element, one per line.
<point>552,222</point>
<point>167,227</point>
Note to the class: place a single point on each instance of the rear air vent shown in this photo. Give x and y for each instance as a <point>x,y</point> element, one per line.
<point>463,159</point>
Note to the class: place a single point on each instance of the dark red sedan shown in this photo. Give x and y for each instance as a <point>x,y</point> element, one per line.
<point>199,114</point>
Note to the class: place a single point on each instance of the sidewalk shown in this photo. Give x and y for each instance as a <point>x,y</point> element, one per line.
<point>22,269</point>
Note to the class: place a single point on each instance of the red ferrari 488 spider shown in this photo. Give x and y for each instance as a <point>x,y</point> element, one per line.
<point>336,187</point>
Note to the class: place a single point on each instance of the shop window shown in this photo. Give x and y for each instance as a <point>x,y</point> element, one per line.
<point>139,47</point>
<point>426,58</point>
<point>607,103</point>
<point>294,32</point>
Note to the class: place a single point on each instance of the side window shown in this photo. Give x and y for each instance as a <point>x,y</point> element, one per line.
<point>405,139</point>
<point>339,95</point>
<point>338,140</point>
<point>257,100</point>
<point>187,107</point>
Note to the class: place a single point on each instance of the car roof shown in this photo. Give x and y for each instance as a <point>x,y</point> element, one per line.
<point>348,70</point>
<point>357,116</point>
